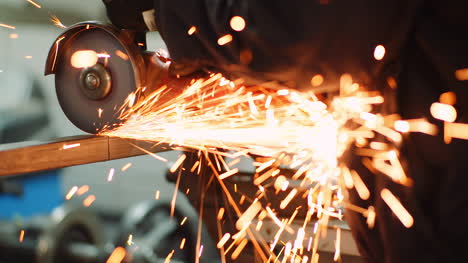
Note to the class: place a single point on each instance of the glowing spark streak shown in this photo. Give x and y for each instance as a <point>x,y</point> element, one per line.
<point>220,213</point>
<point>455,130</point>
<point>21,236</point>
<point>89,200</point>
<point>130,240</point>
<point>110,176</point>
<point>248,215</point>
<point>223,240</point>
<point>157,157</point>
<point>126,167</point>
<point>370,217</point>
<point>239,249</point>
<point>174,195</point>
<point>348,179</point>
<point>7,26</point>
<point>177,164</point>
<point>337,245</point>
<point>34,3</point>
<point>28,57</point>
<point>194,167</point>
<point>169,257</point>
<point>397,208</point>
<point>443,112</point>
<point>228,173</point>
<point>117,256</point>
<point>182,243</point>
<point>183,221</point>
<point>14,36</point>
<point>192,30</point>
<point>121,55</point>
<point>361,188</point>
<point>156,195</point>
<point>71,193</point>
<point>57,22</point>
<point>288,198</point>
<point>82,190</point>
<point>100,112</point>
<point>224,39</point>
<point>234,162</point>
<point>200,252</point>
<point>265,165</point>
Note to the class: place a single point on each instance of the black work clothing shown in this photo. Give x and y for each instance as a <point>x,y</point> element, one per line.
<point>291,41</point>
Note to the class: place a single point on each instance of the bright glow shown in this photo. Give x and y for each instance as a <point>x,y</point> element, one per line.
<point>84,59</point>
<point>317,80</point>
<point>224,39</point>
<point>237,23</point>
<point>397,208</point>
<point>443,112</point>
<point>192,30</point>
<point>379,52</point>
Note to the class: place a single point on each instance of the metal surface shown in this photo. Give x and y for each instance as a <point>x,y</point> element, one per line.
<point>95,82</point>
<point>92,98</point>
<point>71,151</point>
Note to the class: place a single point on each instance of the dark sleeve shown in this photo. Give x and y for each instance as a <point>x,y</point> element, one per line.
<point>128,13</point>
<point>289,41</point>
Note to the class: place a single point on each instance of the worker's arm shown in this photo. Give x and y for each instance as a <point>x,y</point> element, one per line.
<point>287,41</point>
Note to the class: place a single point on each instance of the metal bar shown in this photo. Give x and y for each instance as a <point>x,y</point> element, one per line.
<point>71,151</point>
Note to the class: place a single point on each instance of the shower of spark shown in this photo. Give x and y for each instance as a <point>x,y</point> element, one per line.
<point>57,22</point>
<point>286,128</point>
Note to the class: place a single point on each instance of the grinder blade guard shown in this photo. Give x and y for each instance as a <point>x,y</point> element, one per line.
<point>91,96</point>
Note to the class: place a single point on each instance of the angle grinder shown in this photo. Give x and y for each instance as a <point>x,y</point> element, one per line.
<point>97,66</point>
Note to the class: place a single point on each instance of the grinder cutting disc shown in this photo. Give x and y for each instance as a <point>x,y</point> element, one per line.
<point>92,96</point>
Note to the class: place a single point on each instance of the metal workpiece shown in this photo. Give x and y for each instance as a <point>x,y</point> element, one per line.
<point>71,151</point>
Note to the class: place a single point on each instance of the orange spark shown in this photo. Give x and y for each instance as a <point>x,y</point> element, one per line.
<point>239,249</point>
<point>397,208</point>
<point>220,213</point>
<point>224,39</point>
<point>21,236</point>
<point>443,112</point>
<point>182,243</point>
<point>89,200</point>
<point>178,163</point>
<point>169,257</point>
<point>117,256</point>
<point>379,52</point>
<point>462,74</point>
<point>121,55</point>
<point>14,36</point>
<point>223,240</point>
<point>34,3</point>
<point>448,97</point>
<point>288,198</point>
<point>156,195</point>
<point>228,173</point>
<point>192,30</point>
<point>126,167</point>
<point>237,23</point>
<point>316,80</point>
<point>71,193</point>
<point>82,190</point>
<point>7,26</point>
<point>57,22</point>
